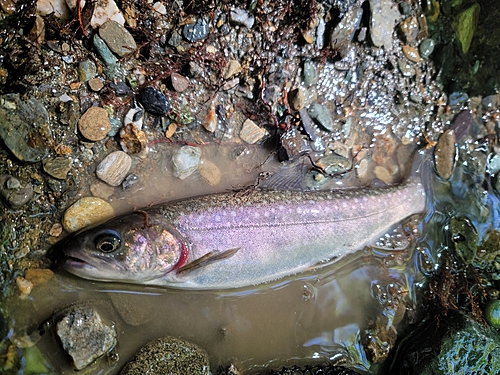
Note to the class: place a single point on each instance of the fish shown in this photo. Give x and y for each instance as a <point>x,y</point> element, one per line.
<point>233,240</point>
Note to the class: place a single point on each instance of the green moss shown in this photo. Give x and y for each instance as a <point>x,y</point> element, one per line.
<point>465,26</point>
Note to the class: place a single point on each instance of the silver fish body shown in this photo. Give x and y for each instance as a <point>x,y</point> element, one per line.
<point>270,235</point>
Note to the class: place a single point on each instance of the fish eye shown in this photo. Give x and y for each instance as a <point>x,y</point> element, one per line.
<point>108,242</point>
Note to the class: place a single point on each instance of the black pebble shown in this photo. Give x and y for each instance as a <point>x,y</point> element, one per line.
<point>196,31</point>
<point>120,88</point>
<point>154,101</point>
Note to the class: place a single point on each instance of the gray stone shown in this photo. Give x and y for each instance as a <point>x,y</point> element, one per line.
<point>117,38</point>
<point>241,17</point>
<point>196,31</point>
<point>104,51</point>
<point>343,33</point>
<point>294,144</point>
<point>86,70</point>
<point>168,355</point>
<point>23,121</point>
<point>114,168</point>
<point>13,193</point>
<point>85,336</point>
<point>57,167</point>
<point>310,73</point>
<point>383,18</point>
<point>186,161</point>
<point>334,164</point>
<point>308,124</point>
<point>426,48</point>
<point>321,115</point>
<point>175,39</point>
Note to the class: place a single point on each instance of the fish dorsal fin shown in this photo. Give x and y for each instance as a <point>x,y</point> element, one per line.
<point>208,258</point>
<point>287,178</point>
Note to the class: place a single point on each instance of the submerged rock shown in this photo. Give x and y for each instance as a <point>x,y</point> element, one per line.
<point>85,336</point>
<point>24,127</point>
<point>86,211</point>
<point>114,168</point>
<point>13,192</point>
<point>154,101</point>
<point>314,370</point>
<point>186,161</point>
<point>445,155</point>
<point>168,355</point>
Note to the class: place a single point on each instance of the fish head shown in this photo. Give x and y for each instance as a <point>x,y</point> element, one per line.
<point>132,248</point>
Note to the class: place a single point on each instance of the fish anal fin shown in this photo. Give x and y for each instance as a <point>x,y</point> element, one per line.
<point>208,258</point>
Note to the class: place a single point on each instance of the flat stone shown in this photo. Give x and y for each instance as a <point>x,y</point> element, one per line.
<point>251,132</point>
<point>179,82</point>
<point>186,161</point>
<point>168,355</point>
<point>117,38</point>
<point>209,172</point>
<point>95,84</point>
<point>86,211</point>
<point>334,164</point>
<point>114,168</point>
<point>57,167</point>
<point>21,121</point>
<point>101,190</point>
<point>241,17</point>
<point>94,124</point>
<point>321,115</point>
<point>196,31</point>
<point>233,68</point>
<point>343,33</point>
<point>411,53</point>
<point>445,155</point>
<point>383,18</point>
<point>86,70</point>
<point>13,192</point>
<point>85,336</point>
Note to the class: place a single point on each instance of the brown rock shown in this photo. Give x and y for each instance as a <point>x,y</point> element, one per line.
<point>133,140</point>
<point>411,53</point>
<point>251,133</point>
<point>57,167</point>
<point>95,84</point>
<point>117,37</point>
<point>86,211</point>
<point>445,155</point>
<point>114,168</point>
<point>179,82</point>
<point>94,124</point>
<point>38,276</point>
<point>209,172</point>
<point>233,68</point>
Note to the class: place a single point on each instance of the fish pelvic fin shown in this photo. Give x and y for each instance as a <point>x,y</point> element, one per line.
<point>208,258</point>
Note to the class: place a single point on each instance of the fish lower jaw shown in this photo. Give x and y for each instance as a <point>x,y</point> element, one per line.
<point>72,263</point>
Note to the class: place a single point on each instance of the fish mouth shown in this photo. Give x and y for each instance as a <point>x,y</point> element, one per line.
<point>72,263</point>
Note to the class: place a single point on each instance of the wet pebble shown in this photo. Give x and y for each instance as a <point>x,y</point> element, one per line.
<point>57,167</point>
<point>343,33</point>
<point>294,144</point>
<point>409,29</point>
<point>321,115</point>
<point>186,161</point>
<point>168,355</point>
<point>411,53</point>
<point>384,14</point>
<point>86,70</point>
<point>38,276</point>
<point>12,191</point>
<point>179,82</point>
<point>120,87</point>
<point>334,164</point>
<point>94,125</point>
<point>86,211</point>
<point>154,101</point>
<point>426,47</point>
<point>233,68</point>
<point>462,124</point>
<point>209,172</point>
<point>241,17</point>
<point>308,124</point>
<point>117,38</point>
<point>310,73</point>
<point>96,84</point>
<point>114,168</point>
<point>104,51</point>
<point>445,155</point>
<point>130,181</point>
<point>196,31</point>
<point>85,336</point>
<point>24,127</point>
<point>251,132</point>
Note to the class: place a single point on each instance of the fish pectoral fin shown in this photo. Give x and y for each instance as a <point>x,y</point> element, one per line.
<point>208,258</point>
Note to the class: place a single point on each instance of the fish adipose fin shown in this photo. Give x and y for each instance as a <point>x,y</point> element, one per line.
<point>208,258</point>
